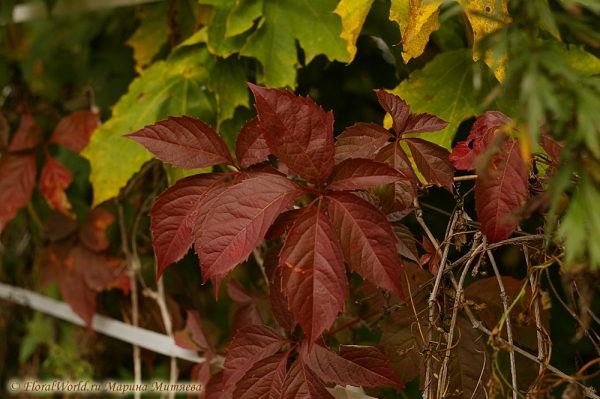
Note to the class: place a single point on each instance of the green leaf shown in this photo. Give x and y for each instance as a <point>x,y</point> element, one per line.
<point>151,34</point>
<point>445,88</point>
<point>217,42</point>
<point>242,16</point>
<point>228,83</point>
<point>174,174</point>
<point>173,87</point>
<point>311,22</point>
<point>577,58</point>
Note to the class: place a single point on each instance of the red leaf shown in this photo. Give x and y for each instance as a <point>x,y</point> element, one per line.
<point>367,240</point>
<point>251,147</point>
<point>264,379</point>
<point>192,336</point>
<point>400,195</point>
<point>185,142</point>
<point>360,173</point>
<point>396,107</point>
<point>360,366</point>
<point>423,123</point>
<point>298,132</point>
<point>501,194</point>
<point>4,131</point>
<point>406,244</point>
<point>313,273</point>
<point>237,292</point>
<point>28,136</point>
<point>74,130</point>
<point>482,133</point>
<point>301,383</point>
<point>200,374</point>
<point>93,231</point>
<point>279,303</point>
<point>283,223</point>
<point>250,345</point>
<point>97,269</point>
<point>17,179</point>
<point>362,140</point>
<point>432,257</point>
<point>552,147</point>
<point>214,388</point>
<point>174,215</point>
<point>432,160</point>
<point>54,179</point>
<point>237,223</point>
<point>60,226</point>
<point>75,291</point>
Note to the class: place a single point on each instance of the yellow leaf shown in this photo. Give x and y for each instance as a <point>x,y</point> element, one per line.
<point>486,17</point>
<point>353,14</point>
<point>417,19</point>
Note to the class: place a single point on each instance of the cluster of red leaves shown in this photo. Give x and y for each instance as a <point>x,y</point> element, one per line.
<point>77,258</point>
<point>18,165</point>
<point>226,215</point>
<point>256,365</point>
<point>501,187</point>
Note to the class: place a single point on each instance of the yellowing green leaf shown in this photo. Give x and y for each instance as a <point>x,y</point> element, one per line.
<point>173,87</point>
<point>242,16</point>
<point>150,35</point>
<point>174,174</point>
<point>444,88</point>
<point>228,83</point>
<point>417,19</point>
<point>311,22</point>
<point>577,58</point>
<point>353,14</point>
<point>486,18</point>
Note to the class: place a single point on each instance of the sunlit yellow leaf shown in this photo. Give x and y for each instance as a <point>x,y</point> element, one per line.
<point>417,19</point>
<point>150,35</point>
<point>353,14</point>
<point>486,17</point>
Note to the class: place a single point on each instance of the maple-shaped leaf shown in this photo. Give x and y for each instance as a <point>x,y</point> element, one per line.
<point>362,140</point>
<point>174,215</point>
<point>251,146</point>
<point>17,179</point>
<point>54,179</point>
<point>4,132</point>
<point>313,273</point>
<point>361,366</point>
<point>401,194</point>
<point>185,142</point>
<point>406,243</point>
<point>432,161</point>
<point>361,173</point>
<point>500,195</point>
<point>250,345</point>
<point>298,132</point>
<point>27,136</point>
<point>74,130</point>
<point>192,336</point>
<point>279,303</point>
<point>481,135</point>
<point>264,379</point>
<point>367,240</point>
<point>301,383</point>
<point>238,221</point>
<point>93,232</point>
